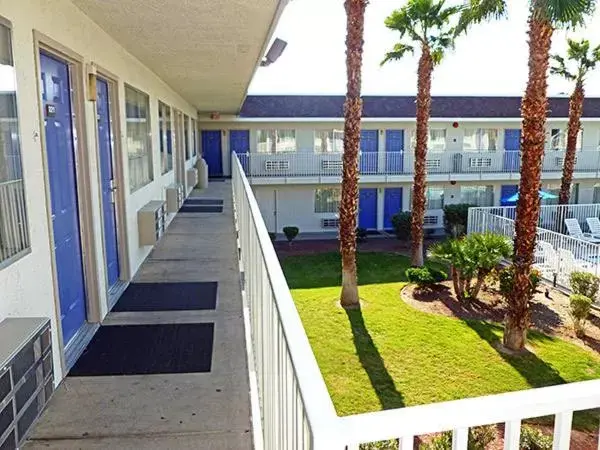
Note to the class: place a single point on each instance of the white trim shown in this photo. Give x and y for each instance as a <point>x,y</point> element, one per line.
<point>271,120</point>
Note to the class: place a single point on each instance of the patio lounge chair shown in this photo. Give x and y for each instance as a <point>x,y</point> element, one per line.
<point>546,259</point>
<point>594,226</point>
<point>575,231</point>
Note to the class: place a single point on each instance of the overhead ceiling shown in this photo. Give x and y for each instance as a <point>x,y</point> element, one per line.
<point>206,50</point>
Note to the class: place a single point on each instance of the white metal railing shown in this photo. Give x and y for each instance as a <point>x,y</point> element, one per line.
<point>14,231</point>
<point>307,163</point>
<point>296,411</point>
<point>557,255</point>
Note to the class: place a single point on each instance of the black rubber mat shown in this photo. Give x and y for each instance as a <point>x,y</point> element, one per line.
<point>168,297</point>
<point>201,209</point>
<point>147,349</point>
<point>204,201</point>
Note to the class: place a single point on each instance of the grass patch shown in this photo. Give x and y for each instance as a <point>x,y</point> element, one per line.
<point>389,355</point>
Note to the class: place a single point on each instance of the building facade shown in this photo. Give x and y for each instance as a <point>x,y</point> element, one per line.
<point>291,147</point>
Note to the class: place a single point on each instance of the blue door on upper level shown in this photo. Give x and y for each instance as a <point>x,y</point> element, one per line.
<point>105,148</point>
<point>392,204</point>
<point>394,151</point>
<point>507,191</point>
<point>211,152</point>
<point>239,142</point>
<point>512,147</point>
<point>367,209</point>
<point>60,148</point>
<point>369,146</point>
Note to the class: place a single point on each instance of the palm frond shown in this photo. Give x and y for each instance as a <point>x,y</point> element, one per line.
<point>563,13</point>
<point>578,62</point>
<point>477,11</point>
<point>399,51</point>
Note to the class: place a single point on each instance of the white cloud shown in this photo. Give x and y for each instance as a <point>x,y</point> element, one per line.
<point>491,59</point>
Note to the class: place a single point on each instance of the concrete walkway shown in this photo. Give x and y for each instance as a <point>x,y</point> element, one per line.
<point>180,411</point>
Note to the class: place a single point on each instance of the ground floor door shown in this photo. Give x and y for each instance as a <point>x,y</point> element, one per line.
<point>239,143</point>
<point>367,209</point>
<point>507,191</point>
<point>512,147</point>
<point>394,151</point>
<point>107,180</point>
<point>369,146</point>
<point>62,178</point>
<point>392,205</point>
<point>211,152</point>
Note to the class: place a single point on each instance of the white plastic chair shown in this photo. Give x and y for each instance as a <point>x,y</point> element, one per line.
<point>594,226</point>
<point>575,231</point>
<point>546,259</point>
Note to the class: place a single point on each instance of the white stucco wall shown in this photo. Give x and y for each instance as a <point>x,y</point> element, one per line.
<point>26,287</point>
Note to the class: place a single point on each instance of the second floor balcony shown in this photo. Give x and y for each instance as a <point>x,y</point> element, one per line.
<point>399,166</point>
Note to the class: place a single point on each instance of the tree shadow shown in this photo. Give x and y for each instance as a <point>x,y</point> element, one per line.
<point>544,318</point>
<point>373,363</point>
<point>534,370</point>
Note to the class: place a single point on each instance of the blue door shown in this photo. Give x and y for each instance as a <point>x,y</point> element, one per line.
<point>392,205</point>
<point>507,191</point>
<point>367,209</point>
<point>512,146</point>
<point>394,151</point>
<point>239,142</point>
<point>211,152</point>
<point>368,148</point>
<point>56,95</point>
<point>105,147</point>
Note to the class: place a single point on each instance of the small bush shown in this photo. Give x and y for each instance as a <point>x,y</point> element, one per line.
<point>585,283</point>
<point>421,276</point>
<point>438,274</point>
<point>456,218</point>
<point>534,439</point>
<point>291,233</point>
<point>381,445</point>
<point>479,439</point>
<point>273,236</point>
<point>506,280</point>
<point>440,442</point>
<point>401,224</point>
<point>361,235</point>
<point>580,309</point>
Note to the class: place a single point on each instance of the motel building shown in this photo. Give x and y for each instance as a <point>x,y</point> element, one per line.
<point>142,305</point>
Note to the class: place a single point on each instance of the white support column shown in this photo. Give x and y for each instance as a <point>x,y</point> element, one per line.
<point>226,157</point>
<point>406,189</point>
<point>380,207</point>
<point>381,151</point>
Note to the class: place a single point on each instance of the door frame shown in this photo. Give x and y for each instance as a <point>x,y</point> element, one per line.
<point>84,196</point>
<point>119,177</point>
<point>179,163</point>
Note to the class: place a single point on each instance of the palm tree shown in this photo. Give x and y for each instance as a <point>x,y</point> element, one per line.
<point>544,17</point>
<point>585,60</point>
<point>355,14</point>
<point>426,24</point>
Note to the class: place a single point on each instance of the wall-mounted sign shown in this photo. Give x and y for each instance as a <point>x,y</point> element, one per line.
<point>50,110</point>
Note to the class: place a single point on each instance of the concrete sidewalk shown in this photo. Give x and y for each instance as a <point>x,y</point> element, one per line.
<point>178,411</point>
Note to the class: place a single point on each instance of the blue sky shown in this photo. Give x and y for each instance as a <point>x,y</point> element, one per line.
<point>491,60</point>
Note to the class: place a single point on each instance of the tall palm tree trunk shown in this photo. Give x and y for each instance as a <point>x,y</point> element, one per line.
<point>355,13</point>
<point>575,112</point>
<point>533,110</point>
<point>420,181</point>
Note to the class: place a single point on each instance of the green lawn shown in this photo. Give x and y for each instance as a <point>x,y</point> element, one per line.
<point>389,355</point>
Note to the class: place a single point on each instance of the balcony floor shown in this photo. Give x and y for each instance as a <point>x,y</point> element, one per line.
<point>174,411</point>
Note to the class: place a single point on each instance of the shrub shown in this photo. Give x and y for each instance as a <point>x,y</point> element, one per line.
<point>585,283</point>
<point>273,236</point>
<point>401,224</point>
<point>291,233</point>
<point>381,445</point>
<point>506,279</point>
<point>438,274</point>
<point>421,276</point>
<point>534,439</point>
<point>361,235</point>
<point>479,439</point>
<point>580,309</point>
<point>456,218</point>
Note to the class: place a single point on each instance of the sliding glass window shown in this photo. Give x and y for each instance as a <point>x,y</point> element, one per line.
<point>166,138</point>
<point>139,149</point>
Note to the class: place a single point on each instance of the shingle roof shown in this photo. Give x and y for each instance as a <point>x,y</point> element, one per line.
<point>330,106</point>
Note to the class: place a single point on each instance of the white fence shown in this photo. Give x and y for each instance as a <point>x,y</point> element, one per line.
<point>296,411</point>
<point>557,255</point>
<point>14,233</point>
<point>310,164</point>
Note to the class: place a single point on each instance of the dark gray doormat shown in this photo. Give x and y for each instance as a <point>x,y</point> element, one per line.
<point>147,349</point>
<point>203,201</point>
<point>201,209</point>
<point>168,297</point>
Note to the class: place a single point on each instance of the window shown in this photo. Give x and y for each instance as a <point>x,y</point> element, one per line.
<point>186,137</point>
<point>558,139</point>
<point>139,150</point>
<point>327,200</point>
<point>555,189</point>
<point>166,138</point>
<point>14,230</point>
<point>436,142</point>
<point>276,141</point>
<point>194,138</point>
<point>481,139</point>
<point>328,141</point>
<point>434,198</point>
<point>477,195</point>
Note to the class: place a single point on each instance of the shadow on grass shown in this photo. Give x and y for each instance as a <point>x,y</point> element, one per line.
<point>373,363</point>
